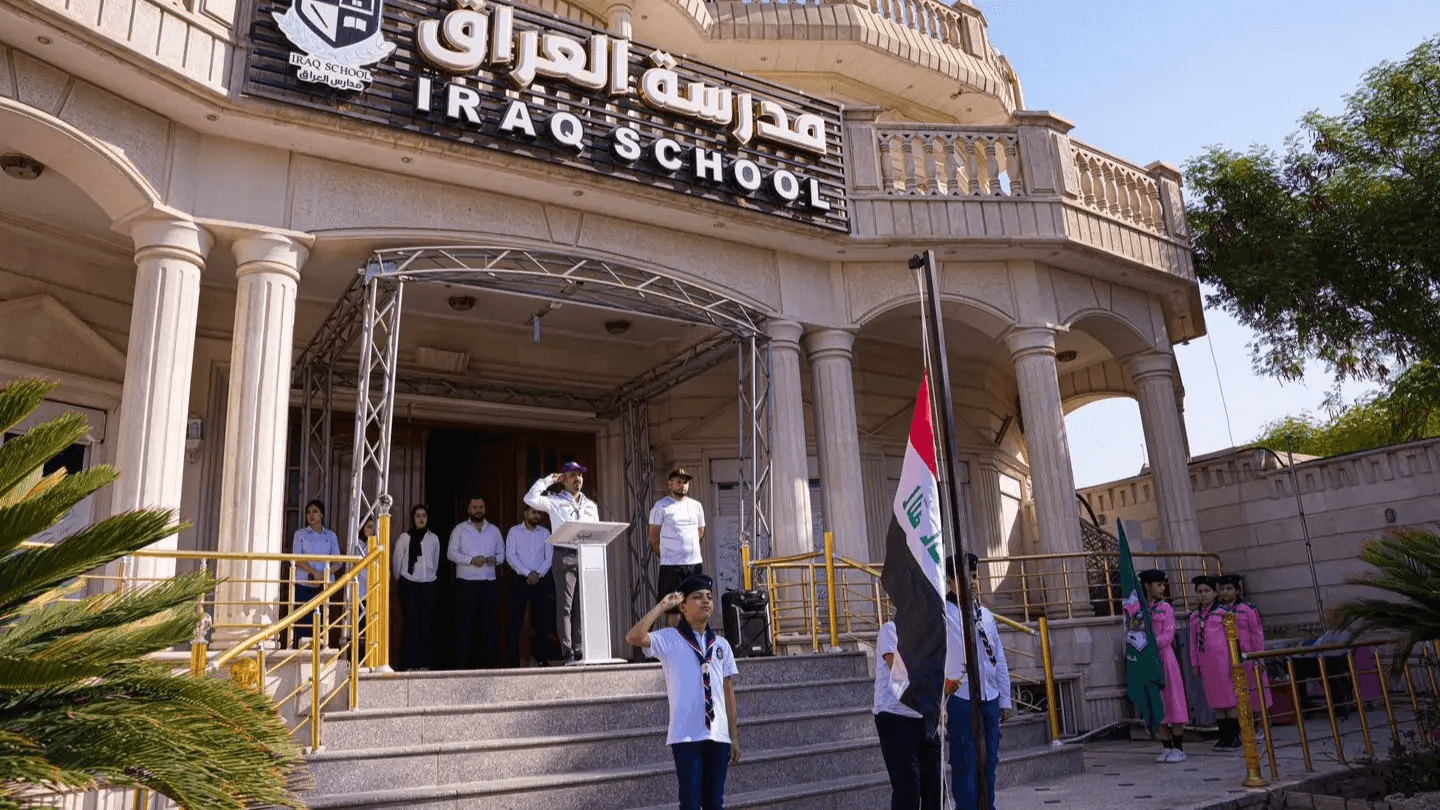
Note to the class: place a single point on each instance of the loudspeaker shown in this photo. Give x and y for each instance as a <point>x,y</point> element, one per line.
<point>747,622</point>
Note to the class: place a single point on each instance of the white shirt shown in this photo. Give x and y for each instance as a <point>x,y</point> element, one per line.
<point>526,551</point>
<point>468,542</point>
<point>680,522</point>
<point>686,688</point>
<point>308,541</point>
<point>994,678</point>
<point>425,566</point>
<point>560,506</point>
<point>887,693</point>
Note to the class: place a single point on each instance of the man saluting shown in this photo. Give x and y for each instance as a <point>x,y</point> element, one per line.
<point>564,504</point>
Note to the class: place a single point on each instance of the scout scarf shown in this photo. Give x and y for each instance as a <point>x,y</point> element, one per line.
<point>979,627</point>
<point>703,656</point>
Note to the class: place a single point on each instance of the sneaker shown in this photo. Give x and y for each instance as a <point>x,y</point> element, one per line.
<point>1176,755</point>
<point>1164,755</point>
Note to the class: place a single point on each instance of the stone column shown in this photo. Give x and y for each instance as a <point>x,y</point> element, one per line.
<point>985,505</point>
<point>155,402</point>
<point>1051,477</point>
<point>252,482</point>
<point>1153,373</point>
<point>789,468</point>
<point>837,439</point>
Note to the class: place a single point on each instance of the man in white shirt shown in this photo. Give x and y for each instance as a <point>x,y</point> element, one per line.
<point>476,548</point>
<point>995,705</point>
<point>529,556</point>
<point>565,503</point>
<point>677,527</point>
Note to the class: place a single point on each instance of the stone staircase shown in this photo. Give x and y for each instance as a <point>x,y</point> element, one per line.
<point>594,738</point>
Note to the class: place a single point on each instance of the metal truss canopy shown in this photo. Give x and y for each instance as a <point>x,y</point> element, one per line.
<point>564,277</point>
<point>357,349</point>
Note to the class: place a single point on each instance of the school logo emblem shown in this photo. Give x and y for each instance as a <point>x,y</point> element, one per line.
<point>339,39</point>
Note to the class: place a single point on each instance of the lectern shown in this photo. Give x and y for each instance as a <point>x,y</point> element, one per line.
<point>590,539</point>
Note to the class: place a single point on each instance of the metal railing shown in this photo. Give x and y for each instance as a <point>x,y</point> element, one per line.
<point>1354,680</point>
<point>349,629</point>
<point>803,587</point>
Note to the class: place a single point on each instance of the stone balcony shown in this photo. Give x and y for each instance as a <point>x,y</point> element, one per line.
<point>1029,184</point>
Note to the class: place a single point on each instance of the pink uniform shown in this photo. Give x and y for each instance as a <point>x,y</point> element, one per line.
<point>1162,618</point>
<point>1211,653</point>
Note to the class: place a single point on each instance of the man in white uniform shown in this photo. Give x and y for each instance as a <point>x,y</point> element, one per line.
<point>476,548</point>
<point>677,527</point>
<point>566,502</point>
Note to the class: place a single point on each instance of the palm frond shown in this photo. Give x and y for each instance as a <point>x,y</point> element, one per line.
<point>37,512</point>
<point>30,572</point>
<point>35,628</point>
<point>38,445</point>
<point>19,398</point>
<point>178,736</point>
<point>1407,566</point>
<point>79,705</point>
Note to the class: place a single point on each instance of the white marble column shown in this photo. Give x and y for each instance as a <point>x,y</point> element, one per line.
<point>155,402</point>
<point>1153,373</point>
<point>987,511</point>
<point>789,469</point>
<point>252,482</point>
<point>1051,478</point>
<point>837,439</point>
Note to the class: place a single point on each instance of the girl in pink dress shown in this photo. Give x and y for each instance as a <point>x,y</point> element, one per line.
<point>1172,697</point>
<point>1210,652</point>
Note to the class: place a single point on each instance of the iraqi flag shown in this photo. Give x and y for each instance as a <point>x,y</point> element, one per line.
<point>914,560</point>
<point>1144,676</point>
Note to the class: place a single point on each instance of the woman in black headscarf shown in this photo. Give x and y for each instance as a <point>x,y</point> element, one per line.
<point>416,559</point>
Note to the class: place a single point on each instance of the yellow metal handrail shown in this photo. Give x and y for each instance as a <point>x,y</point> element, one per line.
<point>837,611</point>
<point>1243,665</point>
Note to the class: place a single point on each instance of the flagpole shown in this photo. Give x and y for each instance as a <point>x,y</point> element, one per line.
<point>932,323</point>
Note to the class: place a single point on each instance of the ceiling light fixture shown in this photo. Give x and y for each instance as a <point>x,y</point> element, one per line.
<point>21,167</point>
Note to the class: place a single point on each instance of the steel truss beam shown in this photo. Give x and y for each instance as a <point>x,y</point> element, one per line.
<point>357,347</point>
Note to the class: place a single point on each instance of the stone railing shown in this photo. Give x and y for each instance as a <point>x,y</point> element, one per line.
<point>1011,184</point>
<point>925,17</point>
<point>1116,188</point>
<point>928,18</point>
<point>950,162</point>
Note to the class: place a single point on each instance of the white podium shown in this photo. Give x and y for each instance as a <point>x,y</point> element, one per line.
<point>590,539</point>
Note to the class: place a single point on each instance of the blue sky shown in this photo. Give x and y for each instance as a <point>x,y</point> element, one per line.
<point>1162,79</point>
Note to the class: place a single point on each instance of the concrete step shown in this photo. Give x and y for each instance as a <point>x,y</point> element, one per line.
<point>404,727</point>
<point>870,791</point>
<point>619,788</point>
<point>445,763</point>
<point>395,690</point>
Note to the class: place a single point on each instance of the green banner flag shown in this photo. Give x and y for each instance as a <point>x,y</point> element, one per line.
<point>1144,676</point>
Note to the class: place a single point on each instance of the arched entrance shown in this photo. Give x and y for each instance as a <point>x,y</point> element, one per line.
<point>356,348</point>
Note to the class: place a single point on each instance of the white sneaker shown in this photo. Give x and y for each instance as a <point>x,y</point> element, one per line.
<point>1164,755</point>
<point>1176,755</point>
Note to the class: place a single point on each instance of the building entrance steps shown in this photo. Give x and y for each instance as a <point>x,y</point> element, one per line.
<point>593,737</point>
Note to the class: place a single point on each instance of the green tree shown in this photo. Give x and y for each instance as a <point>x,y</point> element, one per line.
<point>1332,250</point>
<point>80,706</point>
<point>1406,410</point>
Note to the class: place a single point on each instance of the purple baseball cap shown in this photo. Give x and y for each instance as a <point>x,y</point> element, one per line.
<point>572,467</point>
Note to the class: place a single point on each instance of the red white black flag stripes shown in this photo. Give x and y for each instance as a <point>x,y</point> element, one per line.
<point>914,560</point>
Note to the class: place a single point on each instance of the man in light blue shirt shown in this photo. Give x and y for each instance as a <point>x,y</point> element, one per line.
<point>994,690</point>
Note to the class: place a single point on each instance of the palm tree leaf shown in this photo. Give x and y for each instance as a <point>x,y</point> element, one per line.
<point>21,397</point>
<point>179,736</point>
<point>30,572</point>
<point>28,485</point>
<point>37,512</point>
<point>22,672</point>
<point>38,445</point>
<point>109,610</point>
